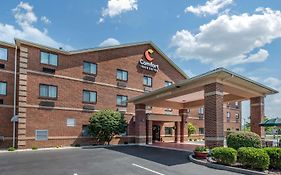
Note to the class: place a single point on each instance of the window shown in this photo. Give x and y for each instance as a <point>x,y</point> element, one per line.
<point>48,58</point>
<point>122,75</point>
<point>168,83</point>
<point>236,103</point>
<point>3,88</point>
<point>90,68</point>
<point>201,110</point>
<point>147,81</point>
<point>168,130</point>
<point>237,129</point>
<point>228,129</point>
<point>41,135</point>
<point>201,130</point>
<point>89,96</point>
<point>48,91</point>
<point>85,131</point>
<point>236,116</point>
<point>122,100</point>
<point>3,54</point>
<point>70,122</point>
<point>228,115</point>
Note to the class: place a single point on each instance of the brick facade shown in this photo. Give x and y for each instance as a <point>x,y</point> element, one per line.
<point>70,81</point>
<point>214,133</point>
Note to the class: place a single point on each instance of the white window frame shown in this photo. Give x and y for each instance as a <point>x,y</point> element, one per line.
<point>147,81</point>
<point>72,123</point>
<point>36,135</point>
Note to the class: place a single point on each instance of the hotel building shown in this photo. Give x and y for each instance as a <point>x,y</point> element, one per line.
<point>50,94</point>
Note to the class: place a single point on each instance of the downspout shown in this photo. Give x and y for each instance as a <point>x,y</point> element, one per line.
<point>15,97</point>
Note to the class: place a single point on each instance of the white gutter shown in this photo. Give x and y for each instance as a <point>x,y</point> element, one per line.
<point>15,97</point>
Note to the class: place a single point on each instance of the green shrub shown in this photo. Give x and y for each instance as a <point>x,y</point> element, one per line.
<point>240,139</point>
<point>34,148</point>
<point>201,149</point>
<point>275,157</point>
<point>11,149</point>
<point>254,158</point>
<point>222,155</point>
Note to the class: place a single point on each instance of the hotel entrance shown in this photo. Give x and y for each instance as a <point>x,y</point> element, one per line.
<point>155,133</point>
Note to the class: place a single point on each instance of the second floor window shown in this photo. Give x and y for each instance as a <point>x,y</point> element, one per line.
<point>89,96</point>
<point>168,83</point>
<point>121,100</point>
<point>228,115</point>
<point>3,88</point>
<point>147,81</point>
<point>3,54</point>
<point>48,91</point>
<point>122,75</point>
<point>201,110</point>
<point>49,58</point>
<point>90,68</point>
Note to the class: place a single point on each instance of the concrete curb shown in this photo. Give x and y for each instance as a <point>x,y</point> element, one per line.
<point>37,150</point>
<point>107,146</point>
<point>226,168</point>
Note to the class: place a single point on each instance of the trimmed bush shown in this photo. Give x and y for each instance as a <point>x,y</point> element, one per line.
<point>34,148</point>
<point>11,149</point>
<point>275,157</point>
<point>222,155</point>
<point>254,158</point>
<point>240,139</point>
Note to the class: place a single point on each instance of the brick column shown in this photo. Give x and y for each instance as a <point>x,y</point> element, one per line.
<point>22,97</point>
<point>257,115</point>
<point>148,132</point>
<point>183,114</point>
<point>140,124</point>
<point>213,103</point>
<point>177,132</point>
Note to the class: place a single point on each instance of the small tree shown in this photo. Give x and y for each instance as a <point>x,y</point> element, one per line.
<point>191,129</point>
<point>105,124</point>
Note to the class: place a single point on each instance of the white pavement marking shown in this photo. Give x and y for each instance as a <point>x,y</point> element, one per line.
<point>147,169</point>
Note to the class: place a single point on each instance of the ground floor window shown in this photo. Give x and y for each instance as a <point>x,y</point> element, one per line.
<point>70,122</point>
<point>201,130</point>
<point>168,131</point>
<point>41,135</point>
<point>85,131</point>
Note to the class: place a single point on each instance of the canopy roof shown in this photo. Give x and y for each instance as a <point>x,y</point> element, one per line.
<point>272,122</point>
<point>190,92</point>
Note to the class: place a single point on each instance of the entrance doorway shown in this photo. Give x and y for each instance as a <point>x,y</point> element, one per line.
<point>156,133</point>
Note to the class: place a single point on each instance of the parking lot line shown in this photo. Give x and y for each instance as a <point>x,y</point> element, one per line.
<point>147,169</point>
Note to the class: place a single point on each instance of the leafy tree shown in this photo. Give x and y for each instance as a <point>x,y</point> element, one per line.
<point>191,129</point>
<point>105,124</point>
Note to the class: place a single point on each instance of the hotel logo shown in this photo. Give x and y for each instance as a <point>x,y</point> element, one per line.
<point>148,65</point>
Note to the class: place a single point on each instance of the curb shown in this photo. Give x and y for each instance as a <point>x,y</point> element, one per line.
<point>226,168</point>
<point>37,150</point>
<point>107,146</point>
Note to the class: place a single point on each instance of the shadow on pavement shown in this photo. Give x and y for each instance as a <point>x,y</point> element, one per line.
<point>158,155</point>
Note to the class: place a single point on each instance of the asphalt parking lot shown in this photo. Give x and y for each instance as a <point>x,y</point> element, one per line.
<point>119,160</point>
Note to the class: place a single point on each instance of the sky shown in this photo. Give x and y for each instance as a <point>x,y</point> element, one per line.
<point>198,35</point>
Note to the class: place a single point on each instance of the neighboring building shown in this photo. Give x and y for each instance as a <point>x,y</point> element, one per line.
<point>57,91</point>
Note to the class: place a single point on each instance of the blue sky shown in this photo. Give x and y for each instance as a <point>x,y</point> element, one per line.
<point>199,35</point>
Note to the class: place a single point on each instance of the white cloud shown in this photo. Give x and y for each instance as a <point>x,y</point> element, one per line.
<point>210,7</point>
<point>117,7</point>
<point>45,20</point>
<point>273,102</point>
<point>26,18</point>
<point>109,42</point>
<point>230,39</point>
